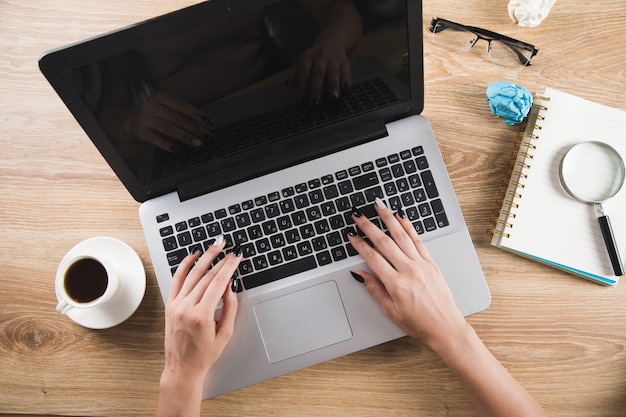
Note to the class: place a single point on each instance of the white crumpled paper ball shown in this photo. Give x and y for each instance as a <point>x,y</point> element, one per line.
<point>529,13</point>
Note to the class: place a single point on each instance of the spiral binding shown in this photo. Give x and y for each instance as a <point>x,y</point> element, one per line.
<point>521,162</point>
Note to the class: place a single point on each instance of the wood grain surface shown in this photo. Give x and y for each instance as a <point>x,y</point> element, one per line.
<point>563,338</point>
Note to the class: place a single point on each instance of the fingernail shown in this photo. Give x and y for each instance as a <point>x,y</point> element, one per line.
<point>237,250</point>
<point>315,102</point>
<point>357,277</point>
<point>380,203</point>
<point>334,95</point>
<point>197,142</point>
<point>401,213</point>
<point>350,231</point>
<point>218,240</point>
<point>206,120</point>
<point>234,286</point>
<point>356,212</point>
<point>175,149</point>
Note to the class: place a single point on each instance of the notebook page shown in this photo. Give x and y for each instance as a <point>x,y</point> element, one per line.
<point>548,223</point>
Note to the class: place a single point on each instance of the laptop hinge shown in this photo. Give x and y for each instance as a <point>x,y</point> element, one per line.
<point>290,155</point>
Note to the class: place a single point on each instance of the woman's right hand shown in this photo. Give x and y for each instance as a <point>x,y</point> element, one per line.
<point>407,283</point>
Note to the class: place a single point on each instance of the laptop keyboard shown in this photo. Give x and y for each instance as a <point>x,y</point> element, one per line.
<point>281,123</point>
<point>305,226</point>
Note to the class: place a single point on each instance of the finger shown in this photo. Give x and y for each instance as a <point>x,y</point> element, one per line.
<point>372,257</point>
<point>181,106</point>
<point>181,273</point>
<point>220,282</point>
<point>377,289</point>
<point>159,141</point>
<point>333,77</point>
<point>202,266</point>
<point>397,231</point>
<point>415,238</point>
<point>383,243</point>
<point>346,74</point>
<point>172,126</point>
<point>304,71</point>
<point>226,323</point>
<point>318,75</point>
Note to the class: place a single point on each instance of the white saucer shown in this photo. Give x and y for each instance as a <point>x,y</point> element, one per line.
<point>130,292</point>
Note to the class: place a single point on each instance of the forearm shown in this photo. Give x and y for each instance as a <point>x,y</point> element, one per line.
<point>492,389</point>
<point>179,397</point>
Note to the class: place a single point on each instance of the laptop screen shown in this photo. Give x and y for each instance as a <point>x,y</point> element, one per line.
<point>228,90</point>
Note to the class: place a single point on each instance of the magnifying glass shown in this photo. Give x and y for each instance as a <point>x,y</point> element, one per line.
<point>592,173</point>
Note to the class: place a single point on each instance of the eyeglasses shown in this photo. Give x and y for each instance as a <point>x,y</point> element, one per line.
<point>502,50</point>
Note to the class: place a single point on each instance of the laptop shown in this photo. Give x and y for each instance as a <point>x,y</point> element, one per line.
<point>209,117</point>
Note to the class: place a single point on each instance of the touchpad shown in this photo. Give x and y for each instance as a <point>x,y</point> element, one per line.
<point>302,321</point>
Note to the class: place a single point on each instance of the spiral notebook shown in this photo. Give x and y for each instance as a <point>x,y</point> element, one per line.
<point>537,219</point>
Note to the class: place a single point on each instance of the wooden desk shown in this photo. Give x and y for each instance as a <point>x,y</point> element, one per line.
<point>562,337</point>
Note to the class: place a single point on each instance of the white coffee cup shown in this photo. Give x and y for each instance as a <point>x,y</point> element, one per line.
<point>85,281</point>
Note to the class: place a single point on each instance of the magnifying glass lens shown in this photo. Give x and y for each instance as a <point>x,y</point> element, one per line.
<point>592,172</point>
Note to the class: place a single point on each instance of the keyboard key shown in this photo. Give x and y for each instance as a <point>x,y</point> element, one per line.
<point>319,243</point>
<point>301,188</point>
<point>365,181</point>
<point>245,267</point>
<point>207,217</point>
<point>372,193</point>
<point>275,258</point>
<point>176,257</point>
<point>269,227</point>
<point>275,196</point>
<point>170,243</point>
<point>234,209</point>
<point>220,214</point>
<point>263,245</point>
<point>260,201</point>
<point>166,231</point>
<point>257,215</point>
<point>287,206</point>
<point>228,224</point>
<point>255,232</point>
<point>304,248</point>
<point>243,220</point>
<point>429,184</point>
<point>430,224</point>
<point>181,226</point>
<point>290,253</point>
<point>323,258</point>
<point>259,263</point>
<point>194,222</point>
<point>298,218</point>
<point>341,175</point>
<point>316,183</point>
<point>422,163</point>
<point>331,192</point>
<point>199,234</point>
<point>184,239</point>
<point>284,222</point>
<point>327,179</point>
<point>338,253</point>
<point>214,229</point>
<point>316,196</point>
<point>345,187</point>
<point>292,236</point>
<point>285,270</point>
<point>301,201</point>
<point>272,210</point>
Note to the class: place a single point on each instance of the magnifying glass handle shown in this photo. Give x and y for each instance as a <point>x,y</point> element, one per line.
<point>609,241</point>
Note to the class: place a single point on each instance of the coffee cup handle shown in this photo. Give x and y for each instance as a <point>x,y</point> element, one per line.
<point>63,307</point>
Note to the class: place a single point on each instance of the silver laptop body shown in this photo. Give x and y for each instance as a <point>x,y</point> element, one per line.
<point>284,200</point>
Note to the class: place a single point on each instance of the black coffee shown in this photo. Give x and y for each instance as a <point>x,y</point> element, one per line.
<point>86,280</point>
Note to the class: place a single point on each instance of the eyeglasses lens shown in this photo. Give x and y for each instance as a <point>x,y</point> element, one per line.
<point>508,55</point>
<point>453,38</point>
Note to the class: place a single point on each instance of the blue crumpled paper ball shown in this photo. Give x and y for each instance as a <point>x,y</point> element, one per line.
<point>509,100</point>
